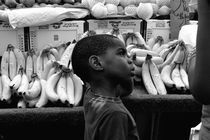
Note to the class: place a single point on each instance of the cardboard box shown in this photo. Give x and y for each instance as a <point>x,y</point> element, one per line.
<point>8,35</point>
<point>64,31</point>
<point>156,28</point>
<point>105,25</point>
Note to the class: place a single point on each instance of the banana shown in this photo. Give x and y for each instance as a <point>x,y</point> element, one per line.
<point>158,42</point>
<point>20,58</point>
<point>29,65</point>
<point>45,60</point>
<point>55,53</point>
<point>35,89</point>
<point>12,64</point>
<point>39,66</point>
<point>32,103</point>
<point>170,58</point>
<point>21,103</point>
<point>162,47</point>
<point>70,89</point>
<point>184,76</point>
<point>130,39</point>
<point>51,72</point>
<point>142,52</point>
<point>30,84</point>
<point>147,79</point>
<point>66,56</point>
<point>51,86</point>
<point>5,63</point>
<point>47,68</point>
<point>129,47</point>
<point>6,92</point>
<point>54,69</point>
<point>156,78</point>
<point>61,88</point>
<point>24,85</point>
<point>176,77</point>
<point>164,53</point>
<point>78,89</point>
<point>70,65</point>
<point>61,48</point>
<point>166,75</point>
<point>51,57</point>
<point>43,100</point>
<point>140,39</point>
<point>151,42</point>
<point>16,81</point>
<point>180,55</point>
<point>138,60</point>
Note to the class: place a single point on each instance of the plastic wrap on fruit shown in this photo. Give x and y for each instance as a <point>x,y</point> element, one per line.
<point>43,15</point>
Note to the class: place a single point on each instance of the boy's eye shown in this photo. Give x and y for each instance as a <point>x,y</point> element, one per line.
<point>122,52</point>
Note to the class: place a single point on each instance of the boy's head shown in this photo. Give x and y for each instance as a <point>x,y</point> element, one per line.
<point>91,56</point>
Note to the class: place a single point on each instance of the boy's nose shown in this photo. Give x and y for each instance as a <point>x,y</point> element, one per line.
<point>129,60</point>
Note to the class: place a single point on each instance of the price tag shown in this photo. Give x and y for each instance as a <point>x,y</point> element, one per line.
<point>179,16</point>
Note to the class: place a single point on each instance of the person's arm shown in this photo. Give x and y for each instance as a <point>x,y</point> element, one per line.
<point>114,127</point>
<point>200,76</point>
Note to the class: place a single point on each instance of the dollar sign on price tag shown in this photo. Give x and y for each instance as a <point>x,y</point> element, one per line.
<point>179,16</point>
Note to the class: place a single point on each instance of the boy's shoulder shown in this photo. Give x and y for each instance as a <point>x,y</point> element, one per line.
<point>93,102</point>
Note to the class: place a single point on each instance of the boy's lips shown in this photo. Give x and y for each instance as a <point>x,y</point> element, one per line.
<point>132,74</point>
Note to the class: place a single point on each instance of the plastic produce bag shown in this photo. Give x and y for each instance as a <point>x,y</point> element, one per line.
<point>44,15</point>
<point>188,34</point>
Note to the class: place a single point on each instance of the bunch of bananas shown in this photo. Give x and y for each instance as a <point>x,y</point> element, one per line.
<point>151,77</point>
<point>138,54</point>
<point>36,79</point>
<point>160,66</point>
<point>12,61</point>
<point>64,86</point>
<point>174,73</point>
<point>134,38</point>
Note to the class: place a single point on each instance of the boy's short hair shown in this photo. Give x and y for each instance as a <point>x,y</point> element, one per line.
<point>84,48</point>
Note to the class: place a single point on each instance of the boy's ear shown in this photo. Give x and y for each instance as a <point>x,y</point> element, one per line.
<point>95,62</point>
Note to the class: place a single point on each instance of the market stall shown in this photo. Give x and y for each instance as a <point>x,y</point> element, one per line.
<point>37,39</point>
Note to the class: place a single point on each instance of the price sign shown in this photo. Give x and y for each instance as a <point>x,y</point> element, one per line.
<point>179,16</point>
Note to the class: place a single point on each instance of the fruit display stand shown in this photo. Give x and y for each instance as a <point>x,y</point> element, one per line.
<point>160,117</point>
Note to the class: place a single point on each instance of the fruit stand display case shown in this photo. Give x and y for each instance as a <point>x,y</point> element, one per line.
<point>158,117</point>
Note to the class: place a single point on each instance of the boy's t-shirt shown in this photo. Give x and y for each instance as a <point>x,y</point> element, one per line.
<point>106,118</point>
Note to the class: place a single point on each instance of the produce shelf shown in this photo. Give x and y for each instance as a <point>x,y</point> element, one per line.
<point>157,118</point>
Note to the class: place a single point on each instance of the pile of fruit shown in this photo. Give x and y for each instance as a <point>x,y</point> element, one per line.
<point>144,9</point>
<point>160,66</point>
<point>17,4</point>
<point>31,79</point>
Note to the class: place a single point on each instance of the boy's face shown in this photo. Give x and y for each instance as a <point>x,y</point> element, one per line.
<point>116,63</point>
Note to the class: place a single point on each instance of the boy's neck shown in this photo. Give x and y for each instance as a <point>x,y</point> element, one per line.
<point>105,89</point>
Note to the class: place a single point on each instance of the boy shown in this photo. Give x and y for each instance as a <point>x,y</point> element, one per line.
<point>102,63</point>
<point>199,71</point>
